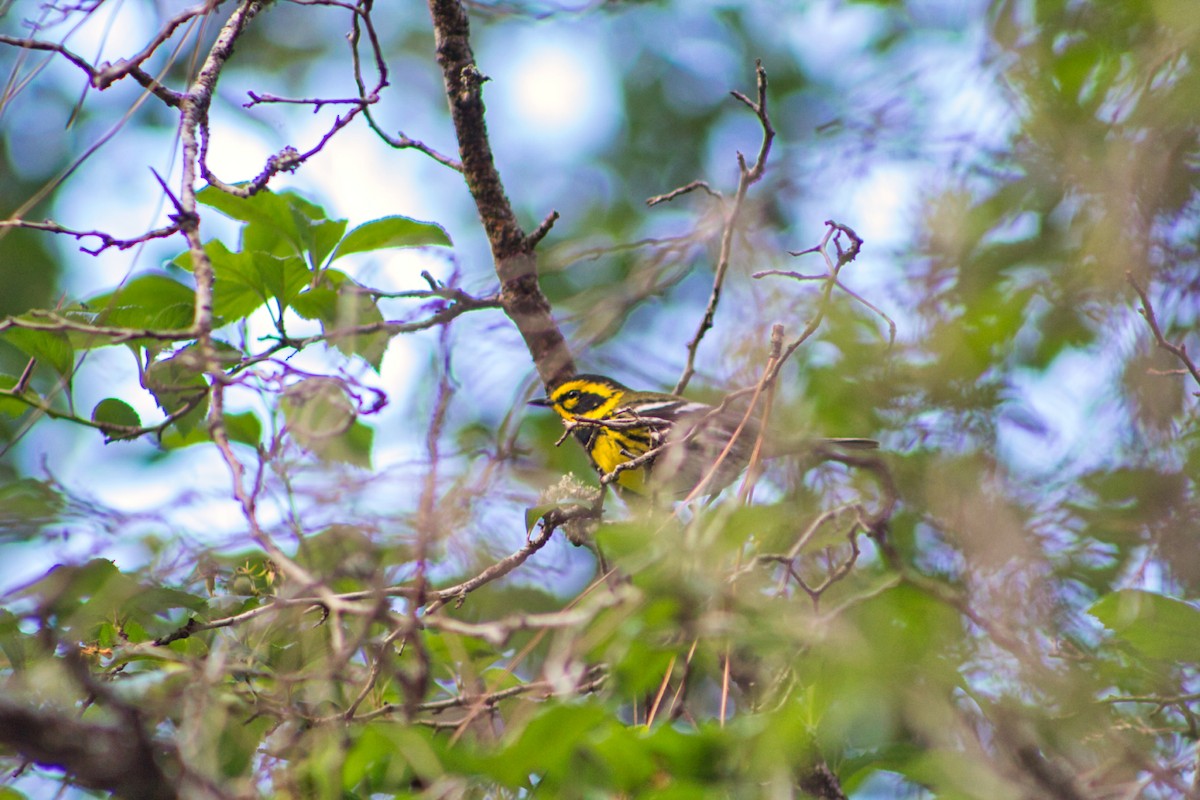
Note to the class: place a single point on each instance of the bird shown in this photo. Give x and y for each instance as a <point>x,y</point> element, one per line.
<point>675,443</point>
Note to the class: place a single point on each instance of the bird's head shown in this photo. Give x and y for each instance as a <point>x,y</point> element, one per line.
<point>584,397</point>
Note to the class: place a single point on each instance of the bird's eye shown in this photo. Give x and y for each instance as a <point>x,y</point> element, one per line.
<point>569,399</point>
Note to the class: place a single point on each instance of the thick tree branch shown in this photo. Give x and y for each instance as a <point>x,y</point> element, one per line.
<point>512,250</point>
<point>104,757</point>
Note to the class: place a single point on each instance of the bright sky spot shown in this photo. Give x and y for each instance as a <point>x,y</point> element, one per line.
<point>550,86</point>
<point>885,200</point>
<point>553,90</point>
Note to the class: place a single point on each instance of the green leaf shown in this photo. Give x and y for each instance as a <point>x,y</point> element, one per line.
<point>326,236</point>
<point>244,280</point>
<point>155,301</point>
<point>237,289</point>
<point>318,303</point>
<point>340,304</point>
<point>115,412</point>
<point>1159,626</point>
<point>245,428</point>
<point>87,597</point>
<point>51,348</point>
<point>12,640</point>
<point>395,231</point>
<point>534,514</point>
<point>281,278</point>
<point>273,211</point>
<point>280,224</point>
<point>10,406</point>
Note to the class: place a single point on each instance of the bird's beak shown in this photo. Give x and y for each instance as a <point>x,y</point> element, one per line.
<point>543,402</point>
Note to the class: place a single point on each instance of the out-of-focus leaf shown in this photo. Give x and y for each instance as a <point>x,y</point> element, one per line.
<point>240,744</point>
<point>177,382</point>
<point>245,428</point>
<point>323,420</point>
<point>86,597</point>
<point>354,310</point>
<point>12,640</point>
<point>551,744</point>
<point>26,505</point>
<point>1159,626</point>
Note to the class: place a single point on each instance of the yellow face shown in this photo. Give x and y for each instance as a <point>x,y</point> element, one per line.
<point>586,397</point>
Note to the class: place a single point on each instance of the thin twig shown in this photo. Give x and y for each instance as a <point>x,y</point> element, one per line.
<point>746,178</point>
<point>106,240</point>
<point>539,233</point>
<point>1147,312</point>
<point>682,190</point>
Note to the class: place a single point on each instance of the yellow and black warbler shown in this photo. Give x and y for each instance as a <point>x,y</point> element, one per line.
<point>680,439</point>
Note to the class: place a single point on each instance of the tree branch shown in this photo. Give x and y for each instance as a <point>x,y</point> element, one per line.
<point>104,757</point>
<point>512,250</point>
<point>1147,312</point>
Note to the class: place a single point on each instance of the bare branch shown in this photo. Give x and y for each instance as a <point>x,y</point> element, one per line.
<point>494,572</point>
<point>106,240</point>
<point>402,142</point>
<point>540,232</point>
<point>593,680</point>
<point>833,233</point>
<point>316,102</point>
<point>98,756</point>
<point>682,190</point>
<point>108,74</point>
<point>1147,312</point>
<point>103,77</point>
<point>115,335</point>
<point>746,178</point>
<point>499,632</point>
